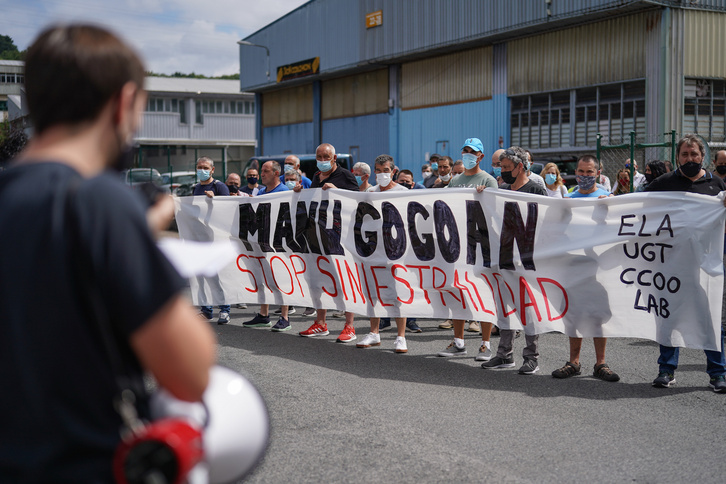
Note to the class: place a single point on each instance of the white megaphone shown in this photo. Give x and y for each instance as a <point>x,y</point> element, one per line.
<point>234,422</point>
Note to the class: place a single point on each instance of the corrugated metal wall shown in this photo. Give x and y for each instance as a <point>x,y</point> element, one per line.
<point>357,95</point>
<point>335,30</point>
<point>291,138</point>
<point>705,54</point>
<point>365,135</point>
<point>453,78</point>
<point>608,51</point>
<point>443,130</point>
<point>655,82</point>
<point>288,106</point>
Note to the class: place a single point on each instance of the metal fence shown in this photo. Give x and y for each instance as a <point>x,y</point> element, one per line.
<point>613,153</point>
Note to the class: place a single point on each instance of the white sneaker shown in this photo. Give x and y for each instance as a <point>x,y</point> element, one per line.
<point>223,317</point>
<point>400,345</point>
<point>241,306</point>
<point>371,339</point>
<point>339,314</point>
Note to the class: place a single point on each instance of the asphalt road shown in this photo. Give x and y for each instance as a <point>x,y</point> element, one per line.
<point>342,414</point>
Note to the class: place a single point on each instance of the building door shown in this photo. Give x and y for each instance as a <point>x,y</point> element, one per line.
<point>355,155</point>
<point>442,147</point>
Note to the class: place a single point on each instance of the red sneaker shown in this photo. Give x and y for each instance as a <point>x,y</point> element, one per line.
<point>347,335</point>
<point>316,329</point>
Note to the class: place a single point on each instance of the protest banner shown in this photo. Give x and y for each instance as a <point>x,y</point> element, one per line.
<point>643,265</point>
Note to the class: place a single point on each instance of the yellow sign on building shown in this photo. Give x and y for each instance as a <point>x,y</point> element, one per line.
<point>374,19</point>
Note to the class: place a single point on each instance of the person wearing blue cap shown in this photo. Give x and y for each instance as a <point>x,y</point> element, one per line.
<point>473,176</point>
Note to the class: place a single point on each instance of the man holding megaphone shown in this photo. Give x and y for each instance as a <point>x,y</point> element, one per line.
<point>89,302</point>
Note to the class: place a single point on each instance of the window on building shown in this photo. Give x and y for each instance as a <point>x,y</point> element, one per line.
<point>704,108</point>
<point>168,105</point>
<point>182,111</point>
<point>199,119</point>
<point>3,105</point>
<point>542,120</point>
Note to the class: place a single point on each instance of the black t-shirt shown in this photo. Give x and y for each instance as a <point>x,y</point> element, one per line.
<point>57,421</point>
<point>676,182</point>
<point>216,186</point>
<point>246,189</point>
<point>529,187</point>
<point>341,178</point>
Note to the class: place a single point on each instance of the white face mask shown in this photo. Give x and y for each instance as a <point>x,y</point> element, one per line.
<point>426,174</point>
<point>383,179</point>
<point>445,178</point>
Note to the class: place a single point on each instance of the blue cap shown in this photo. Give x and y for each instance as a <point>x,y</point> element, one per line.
<point>474,144</point>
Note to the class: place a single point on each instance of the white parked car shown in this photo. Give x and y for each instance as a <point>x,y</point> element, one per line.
<point>179,183</point>
<point>137,176</point>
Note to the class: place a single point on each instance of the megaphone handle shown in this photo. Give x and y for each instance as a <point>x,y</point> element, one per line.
<point>199,474</point>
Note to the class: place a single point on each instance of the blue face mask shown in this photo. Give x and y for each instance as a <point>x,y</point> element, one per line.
<point>550,178</point>
<point>204,175</point>
<point>469,160</point>
<point>497,171</point>
<point>359,179</point>
<point>290,184</point>
<point>324,166</point>
<point>434,166</point>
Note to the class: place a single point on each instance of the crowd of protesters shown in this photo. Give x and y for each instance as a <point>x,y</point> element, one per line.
<point>511,170</point>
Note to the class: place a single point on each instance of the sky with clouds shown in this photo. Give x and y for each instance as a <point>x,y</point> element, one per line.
<point>172,35</point>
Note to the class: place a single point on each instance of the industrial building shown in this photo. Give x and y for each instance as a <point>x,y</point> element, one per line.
<point>411,78</point>
<point>184,119</point>
<point>12,78</point>
<point>187,118</point>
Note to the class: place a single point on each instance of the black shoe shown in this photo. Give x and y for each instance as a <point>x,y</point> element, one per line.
<point>384,324</point>
<point>664,380</point>
<point>259,321</point>
<point>499,362</point>
<point>604,372</point>
<point>281,325</point>
<point>412,326</point>
<point>567,371</point>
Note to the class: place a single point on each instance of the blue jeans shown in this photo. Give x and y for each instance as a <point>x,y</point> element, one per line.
<point>715,360</point>
<point>209,310</point>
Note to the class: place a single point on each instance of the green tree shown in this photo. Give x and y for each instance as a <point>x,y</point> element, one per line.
<point>8,49</point>
<point>191,75</point>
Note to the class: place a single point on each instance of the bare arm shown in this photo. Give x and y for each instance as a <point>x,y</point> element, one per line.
<point>177,348</point>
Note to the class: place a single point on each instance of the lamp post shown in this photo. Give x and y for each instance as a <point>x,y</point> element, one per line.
<point>244,42</point>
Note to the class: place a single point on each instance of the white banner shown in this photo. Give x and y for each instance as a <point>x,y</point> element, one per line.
<point>646,265</point>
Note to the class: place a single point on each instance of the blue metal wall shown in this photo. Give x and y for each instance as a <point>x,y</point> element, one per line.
<point>292,138</point>
<point>335,30</point>
<point>369,133</point>
<point>424,130</point>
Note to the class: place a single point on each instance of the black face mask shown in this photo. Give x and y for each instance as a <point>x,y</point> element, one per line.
<point>252,180</point>
<point>721,169</point>
<point>508,178</point>
<point>233,188</point>
<point>690,169</point>
<point>407,185</point>
<point>649,177</point>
